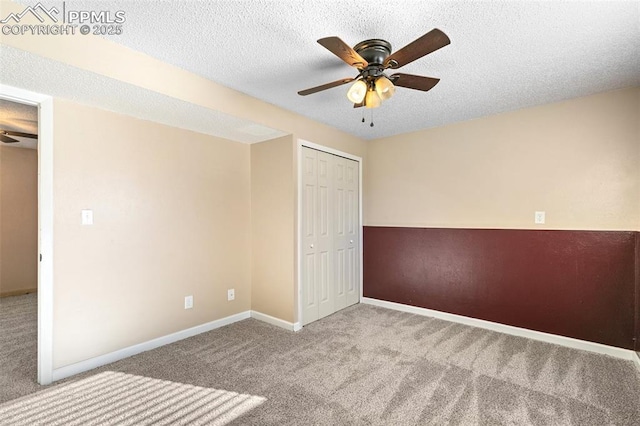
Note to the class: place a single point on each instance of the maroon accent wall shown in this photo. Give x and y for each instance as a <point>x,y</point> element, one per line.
<point>579,284</point>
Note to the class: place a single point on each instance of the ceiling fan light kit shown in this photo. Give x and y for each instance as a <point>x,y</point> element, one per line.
<point>372,58</point>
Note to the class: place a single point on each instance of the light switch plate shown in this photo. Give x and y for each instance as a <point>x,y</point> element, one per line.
<point>231,294</point>
<point>539,218</point>
<point>87,217</point>
<point>188,302</point>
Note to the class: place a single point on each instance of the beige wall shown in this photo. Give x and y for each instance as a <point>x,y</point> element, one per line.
<point>273,234</point>
<point>18,220</point>
<point>577,160</point>
<point>172,218</point>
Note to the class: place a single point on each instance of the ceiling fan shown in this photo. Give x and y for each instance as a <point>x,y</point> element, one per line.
<point>371,58</point>
<point>5,136</point>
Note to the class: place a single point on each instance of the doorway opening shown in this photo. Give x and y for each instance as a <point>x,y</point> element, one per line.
<point>43,104</point>
<point>18,245</point>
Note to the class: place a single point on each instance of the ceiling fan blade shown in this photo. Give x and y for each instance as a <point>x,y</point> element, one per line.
<point>360,105</point>
<point>430,42</point>
<point>343,51</point>
<point>411,81</point>
<point>325,86</point>
<point>19,134</point>
<point>7,139</point>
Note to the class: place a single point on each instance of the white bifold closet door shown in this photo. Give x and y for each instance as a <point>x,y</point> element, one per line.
<point>330,234</point>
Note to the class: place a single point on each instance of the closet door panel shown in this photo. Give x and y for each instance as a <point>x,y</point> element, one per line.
<point>310,304</point>
<point>352,219</point>
<point>325,234</point>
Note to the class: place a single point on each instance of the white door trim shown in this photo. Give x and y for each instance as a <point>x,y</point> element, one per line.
<point>300,144</point>
<point>45,223</point>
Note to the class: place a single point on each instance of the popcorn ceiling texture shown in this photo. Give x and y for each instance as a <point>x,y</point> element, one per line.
<point>503,55</point>
<point>19,118</point>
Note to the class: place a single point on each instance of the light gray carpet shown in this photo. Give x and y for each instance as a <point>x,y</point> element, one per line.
<point>18,346</point>
<point>125,399</point>
<point>372,366</point>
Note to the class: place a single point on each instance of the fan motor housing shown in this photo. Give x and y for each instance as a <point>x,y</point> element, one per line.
<point>374,51</point>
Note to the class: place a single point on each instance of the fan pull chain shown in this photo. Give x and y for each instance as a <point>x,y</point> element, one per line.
<point>363,120</point>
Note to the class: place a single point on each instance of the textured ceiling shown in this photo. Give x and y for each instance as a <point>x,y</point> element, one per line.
<point>504,55</point>
<point>19,118</point>
<point>35,73</point>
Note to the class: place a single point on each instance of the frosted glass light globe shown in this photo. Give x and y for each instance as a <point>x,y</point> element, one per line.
<point>357,92</point>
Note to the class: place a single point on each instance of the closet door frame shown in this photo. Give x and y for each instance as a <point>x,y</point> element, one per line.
<point>298,288</point>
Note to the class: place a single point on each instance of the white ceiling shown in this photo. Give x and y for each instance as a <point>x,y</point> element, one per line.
<point>504,55</point>
<point>19,118</point>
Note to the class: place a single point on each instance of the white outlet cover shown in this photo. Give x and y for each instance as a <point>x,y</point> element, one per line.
<point>231,294</point>
<point>539,218</point>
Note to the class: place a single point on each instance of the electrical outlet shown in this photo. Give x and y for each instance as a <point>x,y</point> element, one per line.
<point>231,294</point>
<point>539,218</point>
<point>188,302</point>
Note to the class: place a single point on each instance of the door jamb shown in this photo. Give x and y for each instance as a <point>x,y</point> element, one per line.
<point>300,143</point>
<point>45,223</point>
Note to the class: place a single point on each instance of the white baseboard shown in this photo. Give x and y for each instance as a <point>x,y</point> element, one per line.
<point>276,321</point>
<point>90,364</point>
<point>508,329</point>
